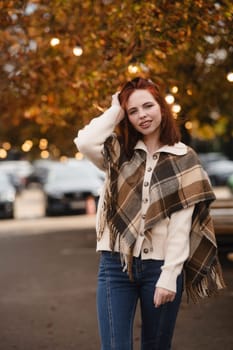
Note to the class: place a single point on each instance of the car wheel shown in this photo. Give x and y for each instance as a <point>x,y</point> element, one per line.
<point>10,211</point>
<point>213,181</point>
<point>48,212</point>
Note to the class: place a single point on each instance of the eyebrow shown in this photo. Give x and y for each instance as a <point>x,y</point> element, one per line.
<point>144,104</point>
<point>131,109</point>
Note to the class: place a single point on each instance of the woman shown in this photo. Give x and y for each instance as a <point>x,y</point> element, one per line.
<point>153,220</point>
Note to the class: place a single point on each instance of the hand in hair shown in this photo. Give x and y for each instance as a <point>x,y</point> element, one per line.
<point>116,102</point>
<point>115,99</point>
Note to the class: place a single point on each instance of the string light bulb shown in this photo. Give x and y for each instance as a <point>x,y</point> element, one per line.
<point>77,51</point>
<point>230,77</point>
<point>132,69</point>
<point>54,42</point>
<point>169,99</point>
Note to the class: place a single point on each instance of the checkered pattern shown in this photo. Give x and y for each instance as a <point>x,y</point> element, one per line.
<point>177,182</point>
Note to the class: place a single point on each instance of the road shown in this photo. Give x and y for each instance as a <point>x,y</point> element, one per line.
<point>48,285</point>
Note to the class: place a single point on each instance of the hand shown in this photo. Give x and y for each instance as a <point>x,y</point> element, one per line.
<point>116,102</point>
<point>115,99</point>
<point>162,296</point>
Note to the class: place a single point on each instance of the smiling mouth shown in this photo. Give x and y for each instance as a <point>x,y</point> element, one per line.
<point>145,124</point>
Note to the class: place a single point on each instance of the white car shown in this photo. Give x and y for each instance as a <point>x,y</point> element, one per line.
<point>72,187</point>
<point>7,196</point>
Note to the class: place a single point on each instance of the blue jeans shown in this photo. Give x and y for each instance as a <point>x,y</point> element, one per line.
<point>117,299</point>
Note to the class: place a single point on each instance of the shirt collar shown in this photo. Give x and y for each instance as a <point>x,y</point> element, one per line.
<point>178,149</point>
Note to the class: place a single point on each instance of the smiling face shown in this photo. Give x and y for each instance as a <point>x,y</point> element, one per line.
<point>144,114</point>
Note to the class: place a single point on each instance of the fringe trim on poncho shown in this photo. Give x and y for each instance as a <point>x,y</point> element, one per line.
<point>207,286</point>
<point>177,183</point>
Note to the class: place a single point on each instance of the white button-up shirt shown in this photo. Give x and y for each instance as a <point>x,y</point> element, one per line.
<point>169,239</point>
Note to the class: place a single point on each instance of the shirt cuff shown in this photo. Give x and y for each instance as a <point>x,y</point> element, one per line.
<point>168,279</point>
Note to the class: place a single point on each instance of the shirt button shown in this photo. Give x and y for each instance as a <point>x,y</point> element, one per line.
<point>149,169</point>
<point>146,184</point>
<point>144,216</point>
<point>155,156</point>
<point>145,200</point>
<point>145,250</point>
<point>141,234</point>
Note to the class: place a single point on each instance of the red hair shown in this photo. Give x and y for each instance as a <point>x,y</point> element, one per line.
<point>169,132</point>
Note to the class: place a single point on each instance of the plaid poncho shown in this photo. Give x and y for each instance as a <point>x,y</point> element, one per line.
<point>177,182</point>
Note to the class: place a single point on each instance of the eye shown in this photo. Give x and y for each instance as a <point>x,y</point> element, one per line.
<point>132,111</point>
<point>148,105</point>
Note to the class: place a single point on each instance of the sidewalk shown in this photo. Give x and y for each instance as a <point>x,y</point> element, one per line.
<point>48,294</point>
<point>223,192</point>
<point>46,225</point>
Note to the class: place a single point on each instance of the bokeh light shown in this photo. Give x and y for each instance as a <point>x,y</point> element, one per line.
<point>230,77</point>
<point>169,99</point>
<point>54,41</point>
<point>77,51</point>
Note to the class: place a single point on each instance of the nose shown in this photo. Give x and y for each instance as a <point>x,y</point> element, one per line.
<point>141,113</point>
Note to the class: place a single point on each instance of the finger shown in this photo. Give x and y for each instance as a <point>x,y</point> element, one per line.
<point>162,299</point>
<point>172,298</point>
<point>115,96</point>
<point>115,99</point>
<point>158,300</point>
<point>169,298</point>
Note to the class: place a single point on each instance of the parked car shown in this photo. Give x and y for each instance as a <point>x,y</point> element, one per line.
<point>217,166</point>
<point>18,172</point>
<point>72,188</point>
<point>220,171</point>
<point>7,196</point>
<point>40,171</point>
<point>210,157</point>
<point>87,164</point>
<point>230,182</point>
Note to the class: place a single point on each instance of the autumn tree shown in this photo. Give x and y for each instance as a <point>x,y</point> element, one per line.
<point>49,90</point>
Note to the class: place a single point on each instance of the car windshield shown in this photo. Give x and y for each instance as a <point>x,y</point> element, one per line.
<point>4,180</point>
<point>70,174</point>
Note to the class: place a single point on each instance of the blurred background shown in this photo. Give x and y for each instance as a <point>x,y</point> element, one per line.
<point>60,63</point>
<point>62,60</point>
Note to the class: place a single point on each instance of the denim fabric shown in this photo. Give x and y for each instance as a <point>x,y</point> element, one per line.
<point>117,299</point>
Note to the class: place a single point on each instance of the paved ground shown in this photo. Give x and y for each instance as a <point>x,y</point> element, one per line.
<point>47,294</point>
<point>48,284</point>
